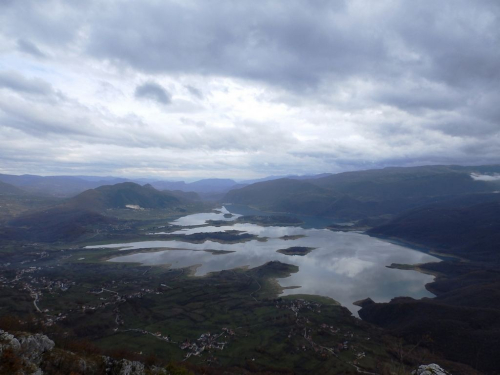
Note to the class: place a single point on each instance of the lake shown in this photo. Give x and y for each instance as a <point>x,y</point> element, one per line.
<point>346,266</point>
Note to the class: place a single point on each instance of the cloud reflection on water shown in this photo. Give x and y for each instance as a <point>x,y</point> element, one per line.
<point>344,266</point>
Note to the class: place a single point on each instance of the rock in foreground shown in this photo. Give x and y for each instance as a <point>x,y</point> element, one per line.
<point>431,369</point>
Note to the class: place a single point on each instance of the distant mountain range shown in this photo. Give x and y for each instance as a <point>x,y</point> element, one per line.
<point>467,226</point>
<point>467,288</point>
<point>70,219</point>
<point>122,195</point>
<point>68,186</point>
<point>362,194</point>
<point>349,195</point>
<point>53,224</point>
<point>449,209</point>
<point>8,189</point>
<point>58,186</point>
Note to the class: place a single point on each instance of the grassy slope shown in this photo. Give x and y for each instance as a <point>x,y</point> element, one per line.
<point>463,320</point>
<point>8,189</point>
<point>472,232</point>
<point>355,195</point>
<point>267,340</point>
<point>120,195</point>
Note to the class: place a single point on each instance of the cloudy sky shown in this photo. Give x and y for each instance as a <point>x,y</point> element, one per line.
<point>190,89</point>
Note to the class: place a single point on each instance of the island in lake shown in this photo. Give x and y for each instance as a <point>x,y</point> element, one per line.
<point>263,220</point>
<point>296,250</point>
<point>288,237</point>
<point>227,237</point>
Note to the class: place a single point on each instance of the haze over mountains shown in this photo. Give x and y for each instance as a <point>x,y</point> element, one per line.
<point>69,219</point>
<point>67,186</point>
<point>355,195</point>
<point>8,189</point>
<point>453,210</point>
<point>370,197</point>
<point>350,195</point>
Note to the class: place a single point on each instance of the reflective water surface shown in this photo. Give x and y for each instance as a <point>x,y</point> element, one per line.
<point>344,266</point>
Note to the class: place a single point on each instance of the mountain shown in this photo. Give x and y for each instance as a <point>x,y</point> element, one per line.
<point>81,215</point>
<point>190,196</point>
<point>309,177</point>
<point>69,186</point>
<point>53,224</point>
<point>208,189</point>
<point>469,335</point>
<point>8,189</point>
<point>14,201</point>
<point>361,194</point>
<point>402,183</point>
<point>170,185</point>
<point>467,302</point>
<point>121,195</point>
<point>291,177</point>
<point>56,186</point>
<point>211,185</point>
<point>109,180</point>
<point>468,227</point>
<point>278,195</point>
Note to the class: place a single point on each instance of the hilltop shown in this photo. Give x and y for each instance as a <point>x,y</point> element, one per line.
<point>122,195</point>
<point>69,186</point>
<point>8,189</point>
<point>362,194</point>
<point>56,186</point>
<point>276,195</point>
<point>92,212</point>
<point>53,224</point>
<point>466,289</point>
<point>459,227</point>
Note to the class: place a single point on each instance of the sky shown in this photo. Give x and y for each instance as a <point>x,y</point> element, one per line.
<point>188,89</point>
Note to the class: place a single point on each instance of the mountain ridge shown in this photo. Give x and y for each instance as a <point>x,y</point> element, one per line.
<point>356,195</point>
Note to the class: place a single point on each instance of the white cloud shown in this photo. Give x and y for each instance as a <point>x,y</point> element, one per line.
<point>247,89</point>
<point>485,177</point>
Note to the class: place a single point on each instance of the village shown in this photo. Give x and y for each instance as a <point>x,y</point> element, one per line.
<point>301,329</point>
<point>304,331</point>
<point>26,279</point>
<point>206,341</point>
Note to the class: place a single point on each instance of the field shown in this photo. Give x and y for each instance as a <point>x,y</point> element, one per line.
<point>155,311</point>
<point>233,320</point>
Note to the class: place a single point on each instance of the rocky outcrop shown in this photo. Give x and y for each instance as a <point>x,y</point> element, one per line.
<point>431,369</point>
<point>35,354</point>
<point>124,367</point>
<point>364,302</point>
<point>23,354</point>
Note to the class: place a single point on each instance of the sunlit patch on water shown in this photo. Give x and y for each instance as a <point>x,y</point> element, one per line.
<point>200,219</point>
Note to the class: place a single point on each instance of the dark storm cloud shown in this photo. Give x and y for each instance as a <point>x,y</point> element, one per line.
<point>386,82</point>
<point>52,22</point>
<point>31,49</point>
<point>457,41</point>
<point>16,82</point>
<point>420,97</point>
<point>299,42</point>
<point>43,121</point>
<point>417,56</point>
<point>295,44</point>
<point>195,92</point>
<point>289,43</point>
<point>153,91</point>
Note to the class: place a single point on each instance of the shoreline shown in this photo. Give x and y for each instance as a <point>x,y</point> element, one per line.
<point>191,271</point>
<point>419,247</point>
